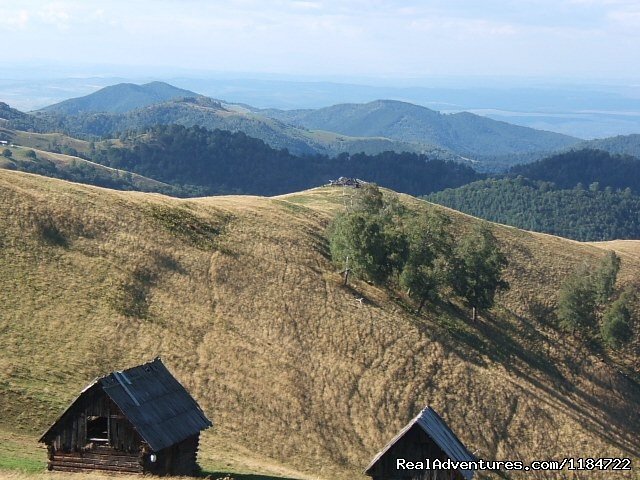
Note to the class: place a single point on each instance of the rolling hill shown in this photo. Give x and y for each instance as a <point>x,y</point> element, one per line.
<point>194,161</point>
<point>464,133</point>
<point>239,298</point>
<point>620,144</point>
<point>119,98</point>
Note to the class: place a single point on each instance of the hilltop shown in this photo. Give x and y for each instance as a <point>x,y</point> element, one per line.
<point>119,98</point>
<point>239,298</point>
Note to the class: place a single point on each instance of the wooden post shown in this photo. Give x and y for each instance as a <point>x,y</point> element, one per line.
<point>473,313</point>
<point>346,272</point>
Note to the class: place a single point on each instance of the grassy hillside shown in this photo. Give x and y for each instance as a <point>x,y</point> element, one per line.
<point>239,298</point>
<point>463,133</point>
<point>76,169</point>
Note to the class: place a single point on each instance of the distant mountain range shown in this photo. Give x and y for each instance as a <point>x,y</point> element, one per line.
<point>464,133</point>
<point>371,128</point>
<point>374,127</point>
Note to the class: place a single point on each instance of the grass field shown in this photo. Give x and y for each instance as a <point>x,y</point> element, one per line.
<point>238,296</point>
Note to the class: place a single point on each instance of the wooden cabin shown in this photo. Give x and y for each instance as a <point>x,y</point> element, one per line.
<point>427,436</point>
<point>140,420</point>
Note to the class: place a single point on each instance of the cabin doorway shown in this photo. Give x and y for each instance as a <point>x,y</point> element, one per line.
<point>98,430</point>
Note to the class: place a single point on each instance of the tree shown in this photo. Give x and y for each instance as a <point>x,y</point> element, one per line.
<point>478,266</point>
<point>605,277</point>
<point>31,154</point>
<point>577,301</point>
<point>361,238</point>
<point>427,266</point>
<point>616,323</point>
<point>7,153</point>
<point>368,198</point>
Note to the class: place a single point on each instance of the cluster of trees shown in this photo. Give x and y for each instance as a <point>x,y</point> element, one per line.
<point>586,214</point>
<point>221,162</point>
<point>588,301</point>
<point>378,241</point>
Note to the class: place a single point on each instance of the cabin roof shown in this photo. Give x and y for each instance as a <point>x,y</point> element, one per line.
<point>440,433</point>
<point>157,405</point>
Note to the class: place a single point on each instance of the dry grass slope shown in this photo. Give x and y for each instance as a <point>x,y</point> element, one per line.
<point>238,296</point>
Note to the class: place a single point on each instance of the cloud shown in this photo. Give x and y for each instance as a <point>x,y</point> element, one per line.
<point>357,37</point>
<point>14,20</point>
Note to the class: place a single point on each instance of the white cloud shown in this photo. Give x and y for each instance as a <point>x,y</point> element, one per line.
<point>13,20</point>
<point>361,37</point>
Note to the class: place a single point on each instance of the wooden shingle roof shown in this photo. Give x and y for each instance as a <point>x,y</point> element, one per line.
<point>436,428</point>
<point>157,405</point>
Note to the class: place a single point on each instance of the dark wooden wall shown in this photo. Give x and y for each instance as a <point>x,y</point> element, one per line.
<point>99,458</point>
<point>179,459</point>
<point>414,446</point>
<point>71,432</point>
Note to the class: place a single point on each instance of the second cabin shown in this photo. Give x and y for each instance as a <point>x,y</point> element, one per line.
<point>424,439</point>
<point>140,420</point>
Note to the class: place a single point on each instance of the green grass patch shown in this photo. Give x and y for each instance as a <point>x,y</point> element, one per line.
<point>20,453</point>
<point>28,465</point>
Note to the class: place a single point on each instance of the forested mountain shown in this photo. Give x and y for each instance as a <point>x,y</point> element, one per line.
<point>621,144</point>
<point>463,133</point>
<point>568,169</point>
<point>119,98</point>
<point>587,215</point>
<point>223,162</point>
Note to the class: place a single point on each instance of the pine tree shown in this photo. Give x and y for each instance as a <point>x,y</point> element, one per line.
<point>605,277</point>
<point>577,301</point>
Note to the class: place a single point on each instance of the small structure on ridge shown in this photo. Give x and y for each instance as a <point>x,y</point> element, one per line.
<point>347,182</point>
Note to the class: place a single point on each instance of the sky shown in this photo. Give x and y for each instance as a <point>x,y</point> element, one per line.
<point>565,39</point>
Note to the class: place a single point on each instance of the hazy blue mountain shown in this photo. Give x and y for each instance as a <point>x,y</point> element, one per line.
<point>214,114</point>
<point>464,133</point>
<point>119,98</point>
<point>621,144</point>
